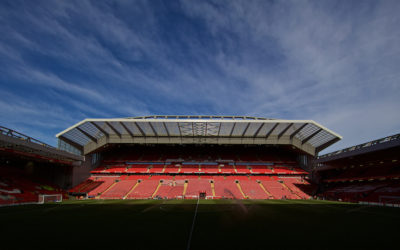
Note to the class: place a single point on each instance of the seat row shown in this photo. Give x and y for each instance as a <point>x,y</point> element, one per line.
<point>18,188</point>
<point>240,154</point>
<point>192,169</point>
<point>214,187</point>
<point>365,173</point>
<point>381,191</point>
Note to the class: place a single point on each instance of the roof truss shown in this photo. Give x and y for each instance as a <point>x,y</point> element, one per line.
<point>72,143</point>
<point>127,129</point>
<point>166,129</point>
<point>272,130</point>
<point>139,128</point>
<point>114,129</point>
<point>152,128</point>
<point>220,129</point>
<point>259,129</point>
<point>297,131</point>
<point>100,129</point>
<point>311,136</point>
<point>283,131</point>
<point>92,138</point>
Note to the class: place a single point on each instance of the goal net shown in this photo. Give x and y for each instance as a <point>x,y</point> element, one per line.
<point>45,198</point>
<point>389,199</point>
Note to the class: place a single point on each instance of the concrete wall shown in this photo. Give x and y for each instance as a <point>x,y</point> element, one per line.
<point>81,172</point>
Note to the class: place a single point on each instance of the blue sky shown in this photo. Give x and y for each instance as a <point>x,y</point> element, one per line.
<point>336,62</point>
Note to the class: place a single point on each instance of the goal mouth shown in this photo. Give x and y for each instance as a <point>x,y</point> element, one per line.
<point>49,198</point>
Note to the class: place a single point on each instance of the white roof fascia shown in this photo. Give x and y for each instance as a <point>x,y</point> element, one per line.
<point>195,120</point>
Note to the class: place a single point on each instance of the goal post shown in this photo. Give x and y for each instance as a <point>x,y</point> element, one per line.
<point>389,199</point>
<point>45,198</point>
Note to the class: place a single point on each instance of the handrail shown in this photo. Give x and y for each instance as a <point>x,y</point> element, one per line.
<point>363,145</point>
<point>200,117</point>
<point>18,135</point>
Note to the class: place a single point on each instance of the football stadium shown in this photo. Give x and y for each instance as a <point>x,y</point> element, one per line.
<point>212,124</point>
<point>191,182</point>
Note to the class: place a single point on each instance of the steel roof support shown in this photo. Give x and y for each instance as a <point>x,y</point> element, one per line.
<point>179,127</point>
<point>258,130</point>
<point>261,131</point>
<point>114,129</point>
<point>152,128</point>
<point>326,144</point>
<point>219,129</point>
<point>272,130</point>
<point>127,129</point>
<point>140,129</point>
<point>70,142</point>
<point>233,128</point>
<point>283,131</point>
<point>245,130</point>
<point>166,129</point>
<point>297,131</point>
<point>100,129</point>
<point>92,138</point>
<point>311,136</point>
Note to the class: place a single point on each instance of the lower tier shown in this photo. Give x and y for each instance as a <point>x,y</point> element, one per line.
<point>192,187</point>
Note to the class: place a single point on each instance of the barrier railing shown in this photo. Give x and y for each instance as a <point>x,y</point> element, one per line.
<point>363,145</point>
<point>18,135</point>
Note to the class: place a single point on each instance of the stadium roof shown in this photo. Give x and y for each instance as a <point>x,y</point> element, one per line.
<point>13,142</point>
<point>90,134</point>
<point>367,147</point>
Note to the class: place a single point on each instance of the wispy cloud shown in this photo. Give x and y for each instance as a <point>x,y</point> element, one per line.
<point>335,62</point>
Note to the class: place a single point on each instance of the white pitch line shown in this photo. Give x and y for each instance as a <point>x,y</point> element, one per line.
<point>194,219</point>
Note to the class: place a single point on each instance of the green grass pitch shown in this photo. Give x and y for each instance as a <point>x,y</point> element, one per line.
<point>219,224</point>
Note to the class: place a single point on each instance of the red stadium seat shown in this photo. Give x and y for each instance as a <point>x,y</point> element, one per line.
<point>253,190</point>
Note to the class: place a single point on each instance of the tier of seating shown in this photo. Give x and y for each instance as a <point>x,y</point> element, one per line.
<point>254,190</point>
<point>363,173</point>
<point>17,188</point>
<point>198,185</point>
<point>105,183</point>
<point>227,189</point>
<point>144,190</point>
<point>200,154</point>
<point>119,189</point>
<point>277,190</point>
<point>170,189</point>
<point>231,172</point>
<point>299,188</point>
<point>191,186</point>
<point>380,191</point>
<point>197,169</point>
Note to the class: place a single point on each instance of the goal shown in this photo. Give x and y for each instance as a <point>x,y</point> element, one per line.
<point>45,198</point>
<point>389,199</point>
